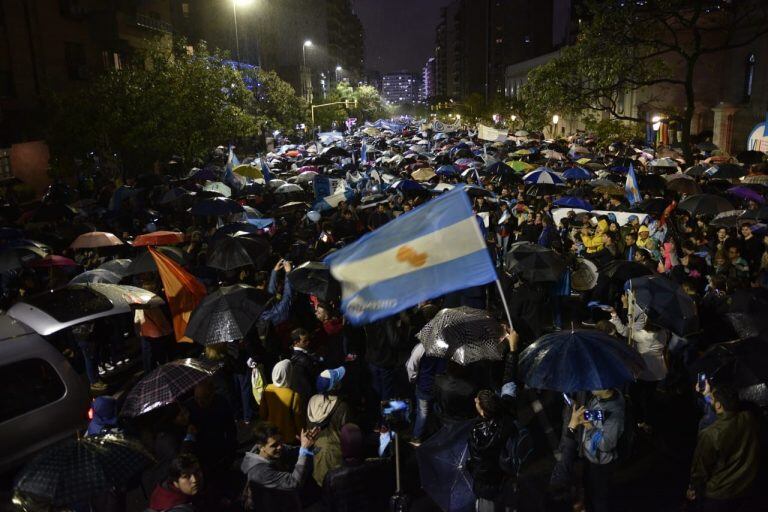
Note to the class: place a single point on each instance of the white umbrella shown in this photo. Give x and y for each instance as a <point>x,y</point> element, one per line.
<point>219,188</point>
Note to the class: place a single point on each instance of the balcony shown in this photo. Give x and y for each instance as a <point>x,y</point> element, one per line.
<point>150,23</point>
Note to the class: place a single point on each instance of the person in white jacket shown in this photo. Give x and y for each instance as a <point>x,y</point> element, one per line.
<point>651,342</point>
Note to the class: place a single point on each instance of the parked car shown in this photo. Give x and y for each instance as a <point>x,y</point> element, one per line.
<point>44,399</point>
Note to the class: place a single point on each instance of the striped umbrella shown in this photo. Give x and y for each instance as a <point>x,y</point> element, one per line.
<point>543,176</point>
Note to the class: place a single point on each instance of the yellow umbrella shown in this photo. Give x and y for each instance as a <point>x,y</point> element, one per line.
<point>583,161</point>
<point>522,152</point>
<point>372,132</point>
<point>423,174</point>
<point>249,171</point>
<point>520,166</point>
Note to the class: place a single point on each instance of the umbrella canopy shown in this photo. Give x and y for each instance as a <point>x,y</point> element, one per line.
<point>218,187</point>
<point>705,204</point>
<point>225,315</point>
<point>423,174</point>
<point>751,157</point>
<point>95,239</point>
<point>447,170</point>
<point>577,173</point>
<point>118,266</point>
<point>17,257</point>
<point>580,360</point>
<point>584,275</point>
<point>663,162</point>
<point>726,171</point>
<point>159,238</point>
<point>53,212</point>
<point>249,171</point>
<point>611,190</point>
<point>146,263</point>
<point>728,219</point>
<point>175,194</point>
<point>52,260</point>
<point>573,202</point>
<point>543,176</point>
<point>686,186</point>
<point>520,166</point>
<point>757,179</point>
<point>442,467</point>
<point>499,168</point>
<point>74,470</point>
<point>742,364</point>
<point>97,275</point>
<point>232,252</point>
<point>533,263</point>
<point>666,303</point>
<point>165,384</point>
<point>216,206</point>
<point>407,186</point>
<point>463,334</point>
<point>552,155</point>
<point>747,194</point>
<point>314,278</point>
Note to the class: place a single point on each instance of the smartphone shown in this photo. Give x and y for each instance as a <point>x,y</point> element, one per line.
<point>702,380</point>
<point>593,415</point>
<point>567,400</point>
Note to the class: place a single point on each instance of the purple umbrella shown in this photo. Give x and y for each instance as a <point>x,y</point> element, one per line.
<point>746,193</point>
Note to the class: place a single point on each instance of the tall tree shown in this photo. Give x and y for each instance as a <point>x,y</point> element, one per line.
<point>167,102</point>
<point>624,46</point>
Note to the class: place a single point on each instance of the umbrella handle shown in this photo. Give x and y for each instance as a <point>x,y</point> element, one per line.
<point>397,462</point>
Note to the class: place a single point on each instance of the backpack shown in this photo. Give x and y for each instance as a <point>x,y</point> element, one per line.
<point>516,450</point>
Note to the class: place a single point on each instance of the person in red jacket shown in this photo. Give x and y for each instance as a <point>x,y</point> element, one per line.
<point>176,493</point>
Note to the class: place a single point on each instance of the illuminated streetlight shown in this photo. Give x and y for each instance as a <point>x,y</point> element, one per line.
<point>555,119</point>
<point>513,118</point>
<point>304,47</point>
<point>656,119</point>
<point>235,5</point>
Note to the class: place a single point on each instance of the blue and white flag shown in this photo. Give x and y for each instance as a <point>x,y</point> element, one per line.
<point>265,170</point>
<point>364,153</point>
<point>230,178</point>
<point>435,249</point>
<point>631,188</point>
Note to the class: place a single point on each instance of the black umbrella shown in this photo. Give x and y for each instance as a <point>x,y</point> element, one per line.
<point>751,157</point>
<point>742,364</point>
<point>579,360</point>
<point>726,171</point>
<point>761,214</point>
<point>666,303</point>
<point>705,204</point>
<point>165,384</point>
<point>216,206</point>
<point>226,314</point>
<point>684,186</point>
<point>314,278</point>
<point>144,262</point>
<point>335,151</point>
<point>654,206</point>
<point>231,252</point>
<point>53,212</point>
<point>75,470</point>
<point>533,263</point>
<point>442,463</point>
<point>16,257</point>
<point>651,181</point>
<point>463,334</point>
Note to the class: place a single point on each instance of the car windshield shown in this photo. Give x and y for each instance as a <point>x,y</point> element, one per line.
<point>71,303</point>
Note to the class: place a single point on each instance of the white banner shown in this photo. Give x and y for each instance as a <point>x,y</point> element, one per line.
<point>490,134</point>
<point>621,217</point>
<point>440,126</point>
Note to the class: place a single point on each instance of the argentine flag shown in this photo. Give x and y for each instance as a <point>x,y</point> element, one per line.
<point>631,188</point>
<point>265,170</point>
<point>364,153</point>
<point>435,249</point>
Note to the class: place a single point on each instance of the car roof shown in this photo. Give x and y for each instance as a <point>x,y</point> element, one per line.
<point>11,328</point>
<point>53,311</point>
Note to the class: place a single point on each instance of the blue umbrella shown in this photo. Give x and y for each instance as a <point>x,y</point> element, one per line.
<point>500,168</point>
<point>442,460</point>
<point>543,176</point>
<point>579,360</point>
<point>666,303</point>
<point>577,173</point>
<point>573,202</point>
<point>447,170</point>
<point>407,186</point>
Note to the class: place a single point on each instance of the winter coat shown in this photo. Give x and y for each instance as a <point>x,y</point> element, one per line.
<point>276,489</point>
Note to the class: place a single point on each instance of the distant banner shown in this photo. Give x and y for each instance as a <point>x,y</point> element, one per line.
<point>621,217</point>
<point>490,134</point>
<point>442,127</point>
<point>322,185</point>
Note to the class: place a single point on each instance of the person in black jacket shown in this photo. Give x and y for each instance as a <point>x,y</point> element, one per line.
<point>488,438</point>
<point>305,365</point>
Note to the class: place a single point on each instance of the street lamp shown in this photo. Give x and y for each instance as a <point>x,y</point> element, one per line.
<point>555,120</point>
<point>235,4</point>
<point>656,120</point>
<point>338,72</point>
<point>305,79</point>
<point>304,47</point>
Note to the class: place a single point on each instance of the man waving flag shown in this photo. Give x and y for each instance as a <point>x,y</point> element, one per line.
<point>631,188</point>
<point>433,250</point>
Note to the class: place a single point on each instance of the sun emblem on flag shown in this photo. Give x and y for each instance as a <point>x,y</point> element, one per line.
<point>407,254</point>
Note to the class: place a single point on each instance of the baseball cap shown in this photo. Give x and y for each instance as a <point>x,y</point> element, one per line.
<point>328,380</point>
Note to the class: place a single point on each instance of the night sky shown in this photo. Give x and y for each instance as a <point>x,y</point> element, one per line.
<point>399,34</point>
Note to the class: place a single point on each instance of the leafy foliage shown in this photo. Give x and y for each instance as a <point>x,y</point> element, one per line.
<point>274,105</point>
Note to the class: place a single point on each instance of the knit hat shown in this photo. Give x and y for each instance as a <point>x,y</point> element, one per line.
<point>643,229</point>
<point>329,380</point>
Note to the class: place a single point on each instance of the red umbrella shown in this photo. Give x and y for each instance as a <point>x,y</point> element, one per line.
<point>52,260</point>
<point>159,238</point>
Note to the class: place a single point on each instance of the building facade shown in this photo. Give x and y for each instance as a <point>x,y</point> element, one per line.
<point>400,87</point>
<point>428,85</point>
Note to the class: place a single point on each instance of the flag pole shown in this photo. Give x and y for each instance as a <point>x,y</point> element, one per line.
<point>504,302</point>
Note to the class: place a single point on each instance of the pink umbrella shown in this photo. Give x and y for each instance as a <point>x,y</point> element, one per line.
<point>95,239</point>
<point>52,260</point>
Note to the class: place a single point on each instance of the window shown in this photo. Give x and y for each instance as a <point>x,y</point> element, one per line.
<point>68,304</point>
<point>74,56</point>
<point>750,76</point>
<point>28,385</point>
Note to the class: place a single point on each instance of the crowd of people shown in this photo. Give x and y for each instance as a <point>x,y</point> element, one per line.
<point>296,415</point>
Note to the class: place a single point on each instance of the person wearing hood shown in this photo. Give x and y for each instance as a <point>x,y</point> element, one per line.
<point>177,492</point>
<point>328,413</point>
<point>281,405</point>
<point>594,242</point>
<point>273,486</point>
<point>104,419</point>
<point>645,241</point>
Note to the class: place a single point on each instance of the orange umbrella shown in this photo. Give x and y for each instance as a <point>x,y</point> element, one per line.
<point>95,239</point>
<point>159,238</point>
